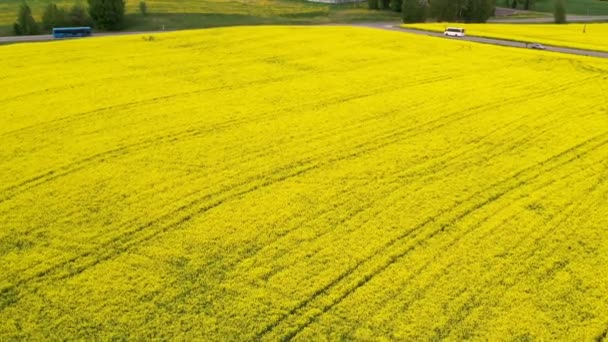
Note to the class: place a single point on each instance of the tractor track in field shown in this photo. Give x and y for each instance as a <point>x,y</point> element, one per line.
<point>329,132</point>
<point>118,151</point>
<point>78,165</point>
<point>134,104</point>
<point>207,202</point>
<point>360,210</point>
<point>479,223</point>
<point>368,277</point>
<point>419,293</point>
<point>128,105</point>
<point>561,217</point>
<point>178,136</point>
<point>432,170</point>
<point>414,232</point>
<point>305,165</point>
<point>270,327</point>
<point>417,166</point>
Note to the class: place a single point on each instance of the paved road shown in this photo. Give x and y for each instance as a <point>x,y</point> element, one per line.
<point>501,42</point>
<point>549,19</point>
<point>382,26</point>
<point>44,37</point>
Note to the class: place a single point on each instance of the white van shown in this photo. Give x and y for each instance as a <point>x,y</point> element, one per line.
<point>454,32</point>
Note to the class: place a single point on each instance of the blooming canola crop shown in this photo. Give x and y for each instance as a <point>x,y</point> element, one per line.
<point>265,183</point>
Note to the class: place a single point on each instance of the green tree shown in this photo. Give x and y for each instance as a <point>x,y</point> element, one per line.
<point>372,4</point>
<point>447,10</point>
<point>143,8</point>
<point>26,24</point>
<point>53,16</point>
<point>529,4</point>
<point>478,11</point>
<point>559,12</point>
<point>475,11</point>
<point>107,14</point>
<point>396,5</point>
<point>414,11</point>
<point>78,15</point>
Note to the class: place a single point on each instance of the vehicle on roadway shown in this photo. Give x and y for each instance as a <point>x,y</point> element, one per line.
<point>537,46</point>
<point>71,32</point>
<point>454,32</point>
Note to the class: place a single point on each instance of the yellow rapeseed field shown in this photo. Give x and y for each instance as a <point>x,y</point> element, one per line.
<point>268,183</point>
<point>584,36</point>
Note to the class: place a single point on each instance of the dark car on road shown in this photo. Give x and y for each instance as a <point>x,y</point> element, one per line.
<point>537,46</point>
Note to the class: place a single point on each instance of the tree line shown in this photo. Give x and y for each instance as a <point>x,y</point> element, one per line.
<point>468,11</point>
<point>471,11</point>
<point>102,14</point>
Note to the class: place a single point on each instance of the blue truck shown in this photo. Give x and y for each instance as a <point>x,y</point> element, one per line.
<point>71,32</point>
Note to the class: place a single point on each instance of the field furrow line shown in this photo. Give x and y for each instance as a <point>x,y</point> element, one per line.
<point>414,233</point>
<point>126,241</point>
<point>561,218</point>
<point>183,220</point>
<point>76,166</point>
<point>362,148</point>
<point>444,249</point>
<point>275,183</point>
<point>305,165</point>
<point>444,163</point>
<point>128,105</point>
<point>433,169</point>
<point>68,169</point>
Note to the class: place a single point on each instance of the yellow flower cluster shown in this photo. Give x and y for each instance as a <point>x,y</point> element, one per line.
<point>266,183</point>
<point>583,36</point>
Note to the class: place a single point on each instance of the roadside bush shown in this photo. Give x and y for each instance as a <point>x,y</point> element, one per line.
<point>559,12</point>
<point>143,8</point>
<point>529,4</point>
<point>472,11</point>
<point>107,14</point>
<point>78,16</point>
<point>396,5</point>
<point>26,24</point>
<point>478,11</point>
<point>53,16</point>
<point>447,10</point>
<point>414,11</point>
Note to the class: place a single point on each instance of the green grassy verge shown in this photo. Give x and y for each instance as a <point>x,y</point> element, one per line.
<point>580,7</point>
